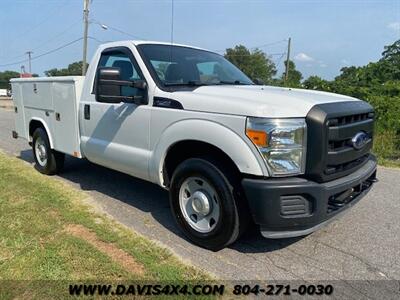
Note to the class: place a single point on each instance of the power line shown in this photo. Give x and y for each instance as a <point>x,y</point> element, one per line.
<point>48,16</point>
<point>245,55</point>
<point>57,49</point>
<point>269,44</point>
<point>97,40</point>
<point>280,58</point>
<point>43,54</point>
<point>58,35</point>
<point>106,26</point>
<point>47,41</point>
<point>126,33</point>
<point>14,63</point>
<point>52,51</point>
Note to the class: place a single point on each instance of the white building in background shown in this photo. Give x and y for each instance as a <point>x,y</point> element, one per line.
<point>3,93</point>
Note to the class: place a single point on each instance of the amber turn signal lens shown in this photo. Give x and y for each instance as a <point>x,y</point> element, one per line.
<point>258,137</point>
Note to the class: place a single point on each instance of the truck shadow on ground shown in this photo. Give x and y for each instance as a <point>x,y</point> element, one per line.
<point>148,198</point>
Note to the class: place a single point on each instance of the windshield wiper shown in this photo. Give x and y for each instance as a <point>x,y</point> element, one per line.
<point>188,83</point>
<point>198,83</point>
<point>236,82</point>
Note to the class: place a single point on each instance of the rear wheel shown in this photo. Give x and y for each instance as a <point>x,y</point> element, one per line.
<point>206,203</point>
<point>48,161</point>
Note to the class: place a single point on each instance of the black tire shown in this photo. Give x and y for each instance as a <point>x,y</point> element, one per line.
<point>233,212</point>
<point>55,159</point>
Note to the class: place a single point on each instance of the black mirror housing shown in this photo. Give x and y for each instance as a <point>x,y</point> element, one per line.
<point>107,92</point>
<point>109,84</point>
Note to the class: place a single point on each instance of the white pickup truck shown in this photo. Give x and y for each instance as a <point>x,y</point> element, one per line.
<point>230,152</point>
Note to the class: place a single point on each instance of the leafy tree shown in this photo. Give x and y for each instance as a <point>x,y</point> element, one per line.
<point>294,76</point>
<point>316,83</point>
<point>386,69</point>
<point>73,69</point>
<point>391,60</point>
<point>254,64</point>
<point>5,78</point>
<point>391,52</point>
<point>349,74</point>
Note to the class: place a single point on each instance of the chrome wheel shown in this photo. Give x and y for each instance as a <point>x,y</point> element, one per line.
<point>199,204</point>
<point>41,152</point>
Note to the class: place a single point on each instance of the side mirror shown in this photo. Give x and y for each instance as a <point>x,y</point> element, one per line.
<point>109,86</point>
<point>258,81</point>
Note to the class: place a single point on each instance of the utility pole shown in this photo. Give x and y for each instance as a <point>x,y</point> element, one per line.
<point>85,33</point>
<point>287,61</point>
<point>29,59</point>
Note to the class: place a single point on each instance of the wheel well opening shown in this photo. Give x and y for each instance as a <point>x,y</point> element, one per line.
<point>192,149</point>
<point>33,125</point>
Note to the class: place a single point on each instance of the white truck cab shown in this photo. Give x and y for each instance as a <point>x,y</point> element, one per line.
<point>230,152</point>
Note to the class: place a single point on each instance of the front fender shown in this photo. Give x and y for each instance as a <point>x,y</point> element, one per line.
<point>209,132</point>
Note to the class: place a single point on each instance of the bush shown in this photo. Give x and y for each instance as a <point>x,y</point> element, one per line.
<point>387,127</point>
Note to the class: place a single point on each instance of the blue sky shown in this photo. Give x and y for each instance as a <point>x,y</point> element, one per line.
<point>326,35</point>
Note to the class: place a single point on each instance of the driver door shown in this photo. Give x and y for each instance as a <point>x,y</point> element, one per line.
<point>116,134</point>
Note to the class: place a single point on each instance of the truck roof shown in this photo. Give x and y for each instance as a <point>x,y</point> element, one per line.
<point>141,42</point>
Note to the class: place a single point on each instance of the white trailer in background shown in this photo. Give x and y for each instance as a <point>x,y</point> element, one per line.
<point>3,93</point>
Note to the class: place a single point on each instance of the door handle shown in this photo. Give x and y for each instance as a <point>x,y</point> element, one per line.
<point>86,112</point>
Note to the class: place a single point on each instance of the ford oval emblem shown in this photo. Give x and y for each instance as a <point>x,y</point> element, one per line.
<point>359,140</point>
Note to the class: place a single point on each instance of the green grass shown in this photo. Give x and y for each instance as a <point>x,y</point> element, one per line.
<point>35,245</point>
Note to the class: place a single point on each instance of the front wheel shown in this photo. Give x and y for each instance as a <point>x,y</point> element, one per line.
<point>47,161</point>
<point>206,204</point>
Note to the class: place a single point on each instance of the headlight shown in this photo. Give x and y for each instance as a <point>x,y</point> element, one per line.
<point>282,143</point>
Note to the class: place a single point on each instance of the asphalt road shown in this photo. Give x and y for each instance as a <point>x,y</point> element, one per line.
<point>362,245</point>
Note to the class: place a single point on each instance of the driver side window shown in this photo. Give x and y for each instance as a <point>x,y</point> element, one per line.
<point>122,61</point>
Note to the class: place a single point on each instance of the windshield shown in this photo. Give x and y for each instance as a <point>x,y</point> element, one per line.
<point>176,65</point>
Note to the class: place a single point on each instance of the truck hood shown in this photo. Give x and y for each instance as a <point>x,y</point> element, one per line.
<point>257,101</point>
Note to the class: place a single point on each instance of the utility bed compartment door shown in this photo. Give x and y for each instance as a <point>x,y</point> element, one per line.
<point>37,95</point>
<point>20,127</point>
<point>66,131</point>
